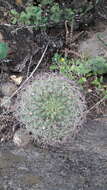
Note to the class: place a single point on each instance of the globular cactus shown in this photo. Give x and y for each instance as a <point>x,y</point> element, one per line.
<point>51,107</point>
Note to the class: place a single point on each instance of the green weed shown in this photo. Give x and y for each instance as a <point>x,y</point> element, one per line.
<point>45,14</point>
<point>81,69</point>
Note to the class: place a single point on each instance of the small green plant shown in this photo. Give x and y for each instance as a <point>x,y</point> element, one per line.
<point>63,65</point>
<point>79,69</point>
<point>55,13</point>
<point>31,15</point>
<point>51,108</point>
<point>3,50</point>
<point>44,14</point>
<point>98,82</point>
<point>97,65</point>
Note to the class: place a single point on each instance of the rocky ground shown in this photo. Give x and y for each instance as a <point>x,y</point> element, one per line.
<point>82,165</point>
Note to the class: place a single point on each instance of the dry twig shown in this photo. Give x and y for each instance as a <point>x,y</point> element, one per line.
<point>95,105</point>
<point>30,61</point>
<point>67,32</point>
<point>72,52</point>
<point>71,33</point>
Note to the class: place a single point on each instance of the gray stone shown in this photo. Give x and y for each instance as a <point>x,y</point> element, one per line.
<point>22,138</point>
<point>93,46</point>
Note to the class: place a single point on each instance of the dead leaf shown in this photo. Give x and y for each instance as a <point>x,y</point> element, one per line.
<point>89,90</point>
<point>16,79</point>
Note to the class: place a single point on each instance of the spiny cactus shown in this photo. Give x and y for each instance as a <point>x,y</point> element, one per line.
<point>51,107</point>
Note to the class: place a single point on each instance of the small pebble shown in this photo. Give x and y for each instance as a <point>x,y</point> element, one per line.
<point>22,138</point>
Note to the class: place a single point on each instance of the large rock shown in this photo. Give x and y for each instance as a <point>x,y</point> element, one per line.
<point>82,166</point>
<point>95,45</point>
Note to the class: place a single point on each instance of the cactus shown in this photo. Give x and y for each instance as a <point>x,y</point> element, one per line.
<point>51,107</point>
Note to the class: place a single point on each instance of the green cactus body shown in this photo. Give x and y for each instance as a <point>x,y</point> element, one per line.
<point>50,108</point>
